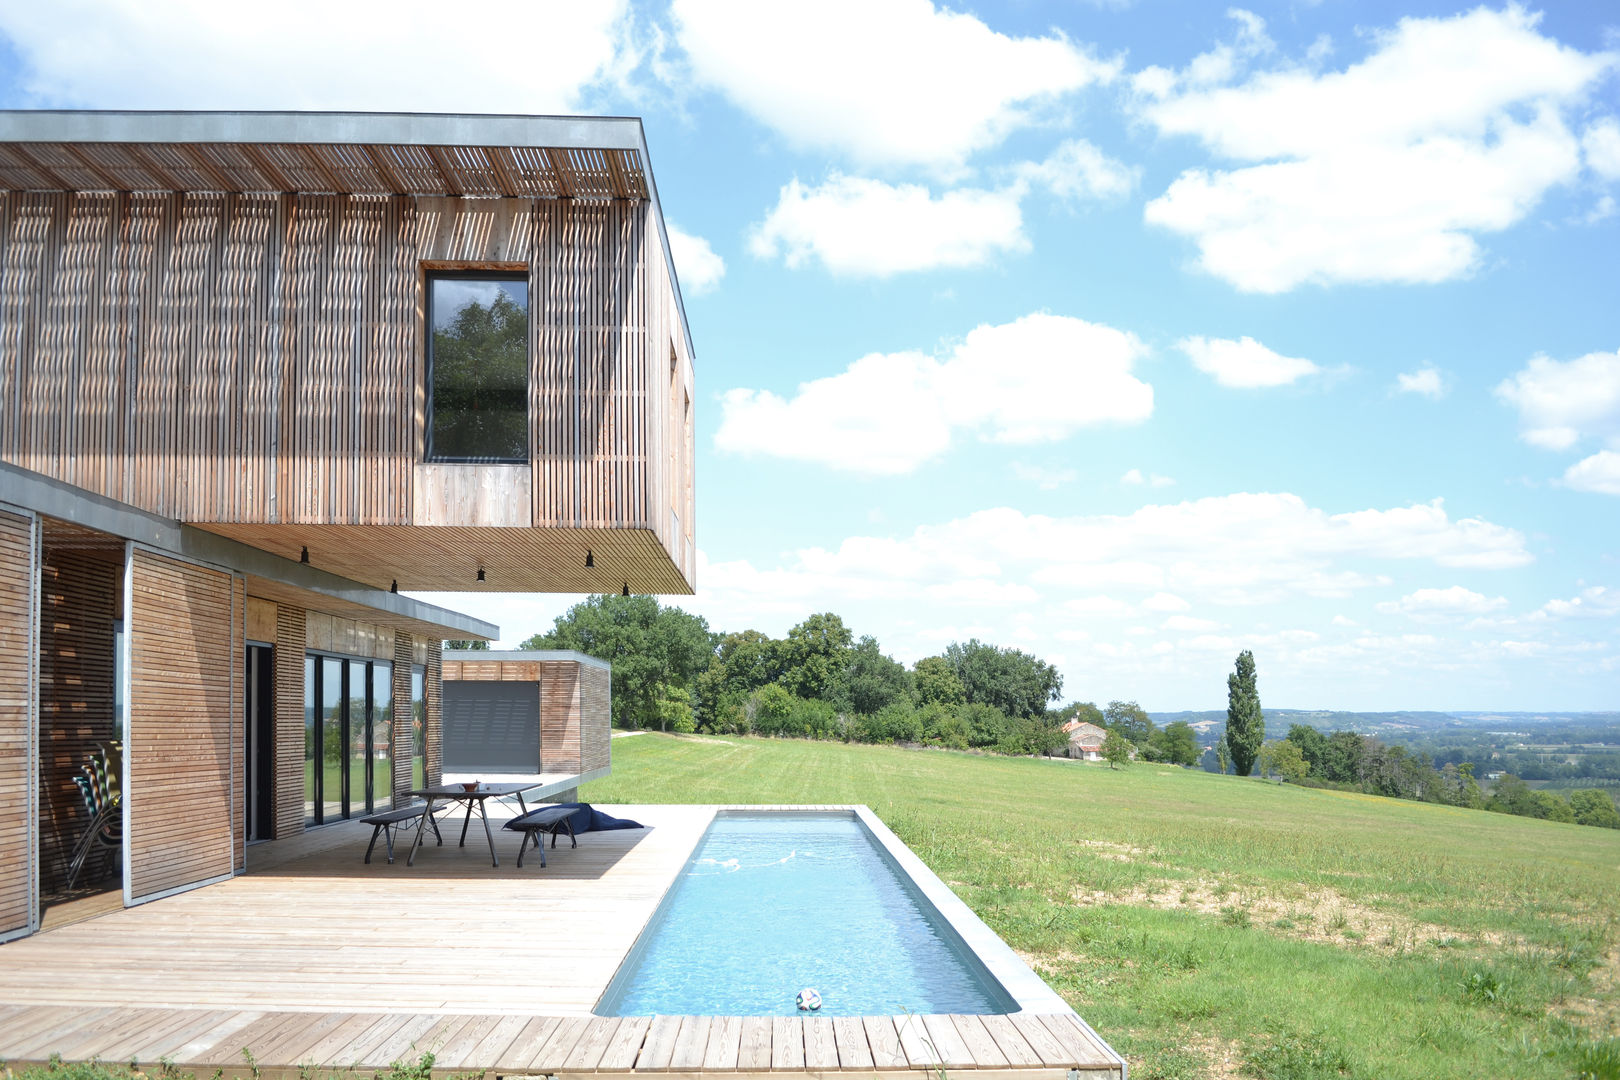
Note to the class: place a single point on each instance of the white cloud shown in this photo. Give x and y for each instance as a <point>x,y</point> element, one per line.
<point>1561,403</point>
<point>1593,602</point>
<point>1165,602</point>
<point>1097,605</point>
<point>1135,478</point>
<point>1435,605</point>
<point>861,227</point>
<point>1246,363</point>
<point>1188,624</point>
<point>1382,172</point>
<point>885,81</point>
<point>1599,473</point>
<point>305,54</point>
<point>1425,381</point>
<point>867,228</point>
<point>1038,379</point>
<point>1601,144</point>
<point>696,263</point>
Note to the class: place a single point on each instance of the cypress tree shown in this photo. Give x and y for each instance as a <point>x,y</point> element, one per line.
<point>1245,723</point>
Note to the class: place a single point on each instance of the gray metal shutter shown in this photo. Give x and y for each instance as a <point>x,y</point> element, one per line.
<point>491,727</point>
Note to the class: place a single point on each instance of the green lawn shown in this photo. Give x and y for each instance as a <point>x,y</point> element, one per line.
<point>1200,922</point>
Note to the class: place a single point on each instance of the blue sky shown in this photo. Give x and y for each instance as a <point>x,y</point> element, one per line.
<point>1129,334</point>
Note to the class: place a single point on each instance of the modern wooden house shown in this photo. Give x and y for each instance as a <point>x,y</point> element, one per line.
<point>258,372</point>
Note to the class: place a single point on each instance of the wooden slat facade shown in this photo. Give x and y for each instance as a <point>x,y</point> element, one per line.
<point>17,597</point>
<point>255,363</point>
<point>288,661</point>
<point>404,658</point>
<point>183,740</point>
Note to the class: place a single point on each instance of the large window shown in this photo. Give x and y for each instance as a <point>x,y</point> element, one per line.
<point>348,737</point>
<point>418,726</point>
<point>478,367</point>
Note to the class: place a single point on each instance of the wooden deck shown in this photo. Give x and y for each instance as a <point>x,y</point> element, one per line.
<point>316,959</point>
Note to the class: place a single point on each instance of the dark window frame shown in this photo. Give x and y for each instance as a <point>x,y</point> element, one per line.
<point>349,807</point>
<point>429,277</point>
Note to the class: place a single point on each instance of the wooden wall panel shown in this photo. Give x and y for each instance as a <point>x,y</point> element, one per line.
<point>239,784</point>
<point>596,718</point>
<point>435,713</point>
<point>403,652</point>
<point>17,689</point>
<point>80,599</point>
<point>559,716</point>
<point>289,723</point>
<point>183,743</point>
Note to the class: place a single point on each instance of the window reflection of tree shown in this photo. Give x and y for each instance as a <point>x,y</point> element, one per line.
<point>481,379</point>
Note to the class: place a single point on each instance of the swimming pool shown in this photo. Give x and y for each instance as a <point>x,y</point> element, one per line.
<point>773,902</point>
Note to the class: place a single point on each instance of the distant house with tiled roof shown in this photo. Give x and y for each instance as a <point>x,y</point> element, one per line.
<point>1085,740</point>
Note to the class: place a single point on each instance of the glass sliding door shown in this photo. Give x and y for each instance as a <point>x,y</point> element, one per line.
<point>334,786</point>
<point>382,734</point>
<point>312,748</point>
<point>359,751</point>
<point>418,727</point>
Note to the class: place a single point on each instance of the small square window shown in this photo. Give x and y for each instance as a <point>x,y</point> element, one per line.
<point>478,366</point>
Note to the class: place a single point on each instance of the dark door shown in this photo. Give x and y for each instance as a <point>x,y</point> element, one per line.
<point>260,741</point>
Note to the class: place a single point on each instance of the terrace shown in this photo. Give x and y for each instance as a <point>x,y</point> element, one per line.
<point>314,959</point>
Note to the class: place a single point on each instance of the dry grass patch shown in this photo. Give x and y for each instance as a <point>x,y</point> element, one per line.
<point>1599,1010</point>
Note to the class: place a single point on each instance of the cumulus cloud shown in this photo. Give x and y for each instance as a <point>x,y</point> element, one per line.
<point>1561,403</point>
<point>1385,171</point>
<point>1047,479</point>
<point>861,227</point>
<point>1599,473</point>
<point>1601,144</point>
<point>1245,363</point>
<point>1038,379</point>
<point>1425,382</point>
<point>884,81</point>
<point>1593,602</point>
<point>1436,605</point>
<point>1136,478</point>
<point>169,54</point>
<point>699,268</point>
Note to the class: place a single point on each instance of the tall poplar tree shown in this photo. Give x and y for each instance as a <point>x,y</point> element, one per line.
<point>1245,723</point>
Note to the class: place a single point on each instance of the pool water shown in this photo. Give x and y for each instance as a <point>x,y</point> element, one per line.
<point>774,902</point>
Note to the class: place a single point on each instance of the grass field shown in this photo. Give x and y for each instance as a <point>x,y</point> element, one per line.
<point>1211,926</point>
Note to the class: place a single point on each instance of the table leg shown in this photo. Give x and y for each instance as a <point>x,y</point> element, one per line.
<point>421,823</point>
<point>523,807</point>
<point>494,859</point>
<point>468,821</point>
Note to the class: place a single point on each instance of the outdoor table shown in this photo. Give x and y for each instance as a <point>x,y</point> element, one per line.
<point>477,796</point>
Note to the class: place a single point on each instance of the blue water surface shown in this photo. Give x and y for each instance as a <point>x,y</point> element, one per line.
<point>772,903</point>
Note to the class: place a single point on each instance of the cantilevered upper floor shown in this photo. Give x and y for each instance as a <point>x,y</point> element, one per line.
<point>422,350</point>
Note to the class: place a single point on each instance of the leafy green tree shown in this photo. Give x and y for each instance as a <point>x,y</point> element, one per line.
<point>1593,806</point>
<point>1116,749</point>
<point>656,652</point>
<point>1245,723</point>
<point>1288,761</point>
<point>871,681</point>
<point>458,644</point>
<point>743,662</point>
<point>1341,757</point>
<point>1312,746</point>
<point>1221,756</point>
<point>1130,720</point>
<point>1012,681</point>
<point>1083,711</point>
<point>1469,794</point>
<point>1176,744</point>
<point>769,709</point>
<point>814,654</point>
<point>1551,808</point>
<point>937,683</point>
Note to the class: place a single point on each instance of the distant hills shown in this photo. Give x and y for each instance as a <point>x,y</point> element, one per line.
<point>1392,725</point>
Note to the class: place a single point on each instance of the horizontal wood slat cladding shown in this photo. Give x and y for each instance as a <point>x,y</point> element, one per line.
<point>404,650</point>
<point>80,598</point>
<point>433,690</point>
<point>17,577</point>
<point>596,718</point>
<point>559,716</point>
<point>184,700</point>
<point>288,658</point>
<point>258,359</point>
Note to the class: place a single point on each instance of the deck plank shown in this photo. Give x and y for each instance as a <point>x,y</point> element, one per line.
<point>725,1038</point>
<point>351,1038</point>
<point>111,1037</point>
<point>787,1043</point>
<point>290,1044</point>
<point>230,1023</point>
<point>401,1043</point>
<point>229,1051</point>
<point>1046,1047</point>
<point>1087,1050</point>
<point>530,1039</point>
<point>555,1050</point>
<point>28,1031</point>
<point>981,1045</point>
<point>1010,1042</point>
<point>659,1045</point>
<point>455,1052</point>
<point>850,1035</point>
<point>820,1046</point>
<point>690,1043</point>
<point>914,1041</point>
<point>884,1040</point>
<point>588,1051</point>
<point>502,1035</point>
<point>754,1048</point>
<point>948,1043</point>
<point>163,1044</point>
<point>622,1052</point>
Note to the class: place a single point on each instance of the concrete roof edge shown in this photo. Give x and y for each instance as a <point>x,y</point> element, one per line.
<point>526,655</point>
